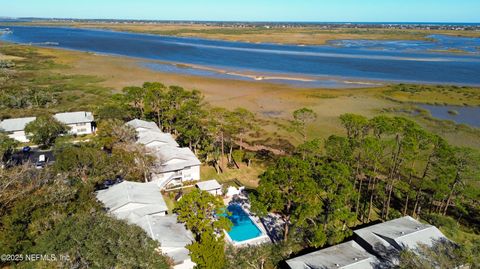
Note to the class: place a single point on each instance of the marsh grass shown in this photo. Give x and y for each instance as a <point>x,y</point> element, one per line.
<point>46,76</point>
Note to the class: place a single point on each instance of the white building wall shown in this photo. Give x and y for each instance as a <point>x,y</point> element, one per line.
<point>194,173</point>
<point>81,128</point>
<point>216,192</point>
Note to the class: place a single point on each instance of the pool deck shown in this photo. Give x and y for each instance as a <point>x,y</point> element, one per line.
<point>263,238</point>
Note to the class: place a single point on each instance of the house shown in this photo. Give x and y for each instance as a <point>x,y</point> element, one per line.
<point>80,122</point>
<point>143,126</point>
<point>172,236</point>
<point>174,165</point>
<point>346,255</point>
<point>153,139</point>
<point>142,204</point>
<point>15,128</point>
<point>132,200</point>
<point>395,235</point>
<point>377,245</point>
<point>211,186</point>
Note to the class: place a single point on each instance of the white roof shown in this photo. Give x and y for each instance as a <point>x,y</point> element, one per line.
<point>209,185</point>
<point>148,137</point>
<point>17,124</point>
<point>405,232</point>
<point>144,198</point>
<point>173,236</point>
<point>346,255</point>
<point>174,159</point>
<point>74,117</point>
<point>136,124</point>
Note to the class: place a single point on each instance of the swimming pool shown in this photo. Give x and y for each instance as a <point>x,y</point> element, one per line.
<point>243,227</point>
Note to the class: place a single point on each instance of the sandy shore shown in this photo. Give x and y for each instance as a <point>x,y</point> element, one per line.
<point>267,100</point>
<point>273,103</point>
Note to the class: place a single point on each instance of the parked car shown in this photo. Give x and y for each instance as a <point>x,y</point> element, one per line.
<point>26,149</point>
<point>41,162</point>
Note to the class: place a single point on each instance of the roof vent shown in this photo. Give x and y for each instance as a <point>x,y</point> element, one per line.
<point>402,232</point>
<point>355,259</point>
<point>337,265</point>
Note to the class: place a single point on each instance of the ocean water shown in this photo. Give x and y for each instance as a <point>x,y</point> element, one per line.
<point>378,62</point>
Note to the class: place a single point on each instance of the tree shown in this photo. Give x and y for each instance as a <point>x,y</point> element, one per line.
<point>111,132</point>
<point>356,125</point>
<point>338,196</point>
<point>44,130</point>
<point>7,145</point>
<point>443,254</point>
<point>256,257</point>
<point>136,97</point>
<point>208,252</point>
<point>155,100</point>
<point>288,190</point>
<point>202,212</point>
<point>82,161</point>
<point>302,117</point>
<point>100,241</point>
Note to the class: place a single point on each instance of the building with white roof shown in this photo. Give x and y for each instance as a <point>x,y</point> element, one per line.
<point>152,139</point>
<point>396,235</point>
<point>143,126</point>
<point>174,165</point>
<point>142,204</point>
<point>172,236</point>
<point>211,186</point>
<point>15,128</point>
<point>372,246</point>
<point>133,200</point>
<point>348,255</point>
<point>80,123</point>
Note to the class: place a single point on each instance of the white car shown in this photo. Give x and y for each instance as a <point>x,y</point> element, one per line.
<point>42,161</point>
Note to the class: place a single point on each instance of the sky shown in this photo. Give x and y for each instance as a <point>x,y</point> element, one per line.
<point>250,10</point>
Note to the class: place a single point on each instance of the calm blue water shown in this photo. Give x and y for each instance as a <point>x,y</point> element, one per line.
<point>441,43</point>
<point>243,227</point>
<point>357,62</point>
<point>466,115</point>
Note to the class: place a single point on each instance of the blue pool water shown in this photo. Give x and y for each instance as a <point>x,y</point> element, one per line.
<point>243,227</point>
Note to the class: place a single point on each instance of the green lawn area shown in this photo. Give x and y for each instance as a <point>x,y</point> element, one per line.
<point>248,176</point>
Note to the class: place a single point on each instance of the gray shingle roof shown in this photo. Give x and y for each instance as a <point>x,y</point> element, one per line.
<point>148,137</point>
<point>169,156</point>
<point>399,233</point>
<point>17,124</point>
<point>74,117</point>
<point>173,158</point>
<point>170,234</point>
<point>346,255</point>
<point>146,196</point>
<point>209,185</point>
<point>136,123</point>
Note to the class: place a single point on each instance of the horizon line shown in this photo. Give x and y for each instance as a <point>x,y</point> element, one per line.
<point>244,21</point>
